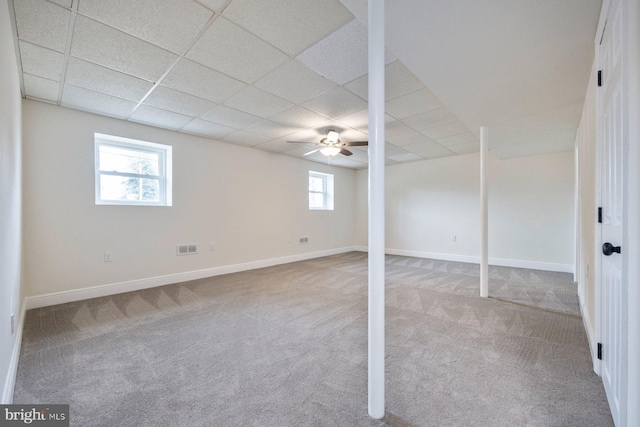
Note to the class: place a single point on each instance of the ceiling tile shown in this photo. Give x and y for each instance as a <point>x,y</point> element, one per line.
<point>178,102</point>
<point>271,129</point>
<point>328,124</point>
<point>343,161</point>
<point>469,147</point>
<point>245,138</point>
<point>95,102</point>
<point>37,87</point>
<point>227,48</point>
<point>63,3</point>
<point>42,23</point>
<point>335,103</point>
<point>294,82</point>
<point>170,24</point>
<point>359,86</point>
<point>157,117</point>
<point>106,46</point>
<point>41,62</point>
<point>229,117</point>
<point>408,157</point>
<point>400,81</point>
<point>398,131</point>
<point>258,102</point>
<point>427,144</point>
<point>458,139</point>
<point>306,135</point>
<point>105,80</point>
<point>389,162</point>
<point>208,129</point>
<point>274,146</point>
<point>343,55</point>
<point>412,104</point>
<point>360,120</point>
<point>410,139</point>
<point>435,152</point>
<point>198,80</point>
<point>215,5</point>
<point>290,25</point>
<point>431,156</point>
<point>439,117</point>
<point>450,129</point>
<point>392,150</point>
<point>300,151</point>
<point>299,117</point>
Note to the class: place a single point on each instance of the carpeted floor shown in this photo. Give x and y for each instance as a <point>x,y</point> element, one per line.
<point>287,346</point>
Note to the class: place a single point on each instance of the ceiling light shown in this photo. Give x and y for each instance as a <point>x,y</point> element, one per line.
<point>332,136</point>
<point>330,151</point>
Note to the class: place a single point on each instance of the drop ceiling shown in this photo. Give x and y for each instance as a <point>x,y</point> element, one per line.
<point>260,74</point>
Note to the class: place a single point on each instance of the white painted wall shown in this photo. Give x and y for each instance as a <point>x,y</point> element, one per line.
<point>247,201</point>
<point>530,209</point>
<point>10,204</point>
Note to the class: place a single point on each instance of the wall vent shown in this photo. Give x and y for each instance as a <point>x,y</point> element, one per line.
<point>186,249</point>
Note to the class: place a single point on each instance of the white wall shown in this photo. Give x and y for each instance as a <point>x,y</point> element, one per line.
<point>10,204</point>
<point>248,202</point>
<point>428,202</point>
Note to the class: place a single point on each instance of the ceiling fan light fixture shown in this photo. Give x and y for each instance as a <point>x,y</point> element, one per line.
<point>332,136</point>
<point>330,151</point>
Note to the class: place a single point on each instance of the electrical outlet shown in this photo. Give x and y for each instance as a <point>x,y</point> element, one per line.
<point>454,238</point>
<point>108,257</point>
<point>212,247</point>
<point>303,240</point>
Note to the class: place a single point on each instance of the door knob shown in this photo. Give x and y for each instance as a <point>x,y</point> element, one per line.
<point>608,249</point>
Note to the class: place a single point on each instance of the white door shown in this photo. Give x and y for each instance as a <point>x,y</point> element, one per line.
<point>611,142</point>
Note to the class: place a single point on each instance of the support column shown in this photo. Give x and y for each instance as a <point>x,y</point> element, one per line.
<point>376,209</point>
<point>484,215</point>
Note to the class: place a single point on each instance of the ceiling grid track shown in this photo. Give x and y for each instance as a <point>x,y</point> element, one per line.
<point>67,49</point>
<point>174,63</point>
<point>14,29</point>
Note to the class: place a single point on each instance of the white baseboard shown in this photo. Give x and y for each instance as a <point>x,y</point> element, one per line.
<point>531,265</point>
<point>591,338</point>
<point>9,385</point>
<point>63,297</point>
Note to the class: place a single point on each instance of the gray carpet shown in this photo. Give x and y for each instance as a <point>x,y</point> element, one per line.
<point>287,346</point>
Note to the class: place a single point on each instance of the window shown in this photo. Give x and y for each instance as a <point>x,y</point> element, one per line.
<point>320,191</point>
<point>131,172</point>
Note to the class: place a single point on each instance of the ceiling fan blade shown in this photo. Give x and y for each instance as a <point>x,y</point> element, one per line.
<point>311,152</point>
<point>301,142</point>
<point>345,152</point>
<point>355,143</point>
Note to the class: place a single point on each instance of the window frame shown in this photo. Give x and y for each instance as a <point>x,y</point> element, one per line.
<point>327,190</point>
<point>165,165</point>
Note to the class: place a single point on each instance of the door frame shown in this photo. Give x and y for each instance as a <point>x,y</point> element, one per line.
<point>597,269</point>
<point>629,411</point>
<point>631,182</point>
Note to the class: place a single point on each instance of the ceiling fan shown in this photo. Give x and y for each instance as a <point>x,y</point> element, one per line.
<point>331,145</point>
